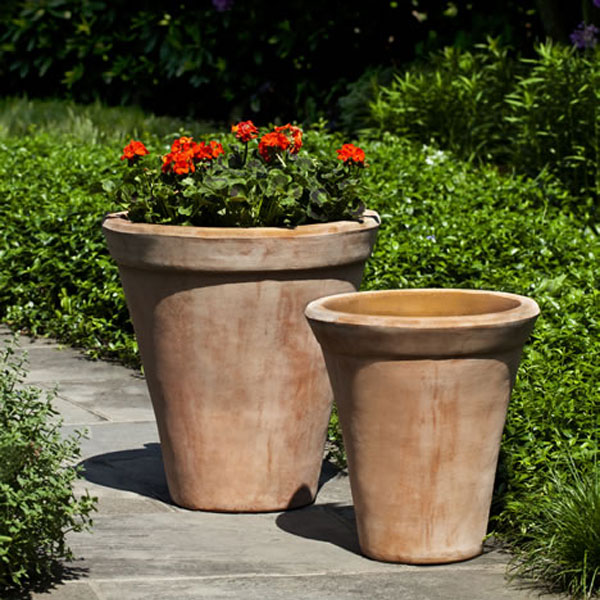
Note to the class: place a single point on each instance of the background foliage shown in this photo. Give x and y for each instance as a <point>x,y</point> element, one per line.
<point>446,223</point>
<point>520,214</point>
<point>525,115</point>
<point>286,59</point>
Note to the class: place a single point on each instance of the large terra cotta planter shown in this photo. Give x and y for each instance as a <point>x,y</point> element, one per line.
<point>422,380</point>
<point>237,381</point>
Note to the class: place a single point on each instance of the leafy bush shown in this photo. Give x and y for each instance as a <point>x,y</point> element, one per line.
<point>455,100</point>
<point>37,505</point>
<point>447,225</point>
<point>526,115</point>
<point>227,58</point>
<point>55,274</point>
<point>554,118</point>
<point>355,105</point>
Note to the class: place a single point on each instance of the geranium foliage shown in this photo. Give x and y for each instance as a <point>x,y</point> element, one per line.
<point>259,181</point>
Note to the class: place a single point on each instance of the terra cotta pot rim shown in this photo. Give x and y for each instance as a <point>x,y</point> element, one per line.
<point>239,250</point>
<point>331,309</point>
<point>119,222</point>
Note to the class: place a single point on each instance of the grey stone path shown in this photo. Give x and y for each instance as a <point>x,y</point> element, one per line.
<point>144,547</point>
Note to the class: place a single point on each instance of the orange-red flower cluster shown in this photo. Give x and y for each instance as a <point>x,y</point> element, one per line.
<point>351,153</point>
<point>286,137</point>
<point>185,153</point>
<point>245,131</point>
<point>134,151</point>
<point>296,134</point>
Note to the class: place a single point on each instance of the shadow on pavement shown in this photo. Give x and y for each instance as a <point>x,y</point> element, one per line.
<point>332,523</point>
<point>328,471</point>
<point>140,471</point>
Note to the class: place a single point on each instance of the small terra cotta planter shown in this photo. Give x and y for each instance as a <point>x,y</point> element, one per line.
<point>238,383</point>
<point>422,380</point>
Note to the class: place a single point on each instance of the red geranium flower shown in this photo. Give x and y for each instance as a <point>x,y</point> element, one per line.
<point>203,151</point>
<point>185,153</point>
<point>296,134</point>
<point>179,162</point>
<point>351,153</point>
<point>245,131</point>
<point>216,149</point>
<point>182,144</point>
<point>134,151</point>
<point>271,142</point>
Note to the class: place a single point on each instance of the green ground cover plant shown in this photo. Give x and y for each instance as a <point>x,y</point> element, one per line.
<point>37,504</point>
<point>446,223</point>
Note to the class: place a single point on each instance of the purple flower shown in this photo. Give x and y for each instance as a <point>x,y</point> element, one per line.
<point>223,5</point>
<point>597,3</point>
<point>585,35</point>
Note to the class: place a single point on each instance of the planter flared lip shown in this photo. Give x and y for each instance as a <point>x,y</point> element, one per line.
<point>522,309</point>
<point>120,223</point>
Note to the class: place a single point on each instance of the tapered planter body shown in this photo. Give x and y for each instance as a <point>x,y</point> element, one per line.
<point>422,379</point>
<point>237,381</point>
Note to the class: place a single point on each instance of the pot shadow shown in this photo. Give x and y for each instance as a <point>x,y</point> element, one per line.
<point>331,522</point>
<point>141,471</point>
<point>328,471</point>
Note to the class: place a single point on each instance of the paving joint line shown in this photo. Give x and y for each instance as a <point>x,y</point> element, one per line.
<point>398,569</point>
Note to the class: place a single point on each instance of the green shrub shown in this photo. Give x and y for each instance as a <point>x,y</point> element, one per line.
<point>355,105</point>
<point>526,115</point>
<point>37,505</point>
<point>561,550</point>
<point>454,100</point>
<point>554,118</point>
<point>55,274</point>
<point>445,224</point>
<point>287,59</point>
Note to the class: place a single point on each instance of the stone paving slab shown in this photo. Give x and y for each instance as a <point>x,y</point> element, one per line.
<point>424,585</point>
<point>144,547</point>
<point>120,399</point>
